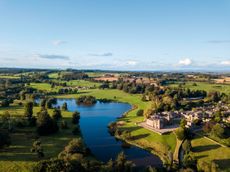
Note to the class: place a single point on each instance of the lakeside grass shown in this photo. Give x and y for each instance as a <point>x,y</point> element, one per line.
<point>223,88</point>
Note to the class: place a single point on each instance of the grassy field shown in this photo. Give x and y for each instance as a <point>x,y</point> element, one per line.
<point>72,83</point>
<point>44,87</point>
<point>205,86</point>
<point>83,83</point>
<point>206,151</point>
<point>159,144</point>
<point>53,75</point>
<point>17,157</point>
<point>9,77</point>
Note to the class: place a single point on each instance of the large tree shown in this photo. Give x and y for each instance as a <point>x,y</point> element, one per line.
<point>45,124</point>
<point>28,110</point>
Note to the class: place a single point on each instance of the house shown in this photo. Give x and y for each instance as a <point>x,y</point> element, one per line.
<point>159,120</point>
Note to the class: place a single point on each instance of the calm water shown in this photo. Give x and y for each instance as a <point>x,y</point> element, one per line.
<point>93,124</point>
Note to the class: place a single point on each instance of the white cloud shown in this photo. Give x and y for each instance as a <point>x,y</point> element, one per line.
<point>131,63</point>
<point>227,63</point>
<point>58,42</point>
<point>185,62</point>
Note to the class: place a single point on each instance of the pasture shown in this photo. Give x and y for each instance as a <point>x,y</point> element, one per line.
<point>223,88</point>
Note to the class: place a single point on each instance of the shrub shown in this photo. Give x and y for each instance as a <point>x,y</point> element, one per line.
<point>64,125</point>
<point>64,106</point>
<point>28,110</point>
<point>218,131</point>
<point>37,148</point>
<point>75,146</point>
<point>140,112</point>
<point>180,133</point>
<point>87,100</point>
<point>76,130</point>
<point>56,114</point>
<point>4,138</point>
<point>187,146</point>
<point>76,117</point>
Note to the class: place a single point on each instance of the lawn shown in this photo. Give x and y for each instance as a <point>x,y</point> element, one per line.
<point>224,88</point>
<point>206,151</point>
<point>17,157</point>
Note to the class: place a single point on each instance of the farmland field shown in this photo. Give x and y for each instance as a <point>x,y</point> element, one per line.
<point>224,88</point>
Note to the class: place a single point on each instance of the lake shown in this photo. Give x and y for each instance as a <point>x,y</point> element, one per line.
<point>93,123</point>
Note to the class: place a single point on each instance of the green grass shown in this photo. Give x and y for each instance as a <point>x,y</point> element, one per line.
<point>82,83</point>
<point>224,88</point>
<point>17,157</point>
<point>9,77</point>
<point>206,151</point>
<point>94,74</point>
<point>44,87</point>
<point>53,75</point>
<point>72,83</point>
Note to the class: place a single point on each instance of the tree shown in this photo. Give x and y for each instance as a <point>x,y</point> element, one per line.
<point>150,169</point>
<point>189,161</point>
<point>187,146</point>
<point>140,112</point>
<point>121,163</point>
<point>218,131</point>
<point>43,103</point>
<point>5,103</point>
<point>76,117</point>
<point>183,123</point>
<point>37,148</point>
<point>4,138</point>
<point>180,133</point>
<point>64,106</point>
<point>45,124</point>
<point>56,114</point>
<point>75,146</point>
<point>207,127</point>
<point>28,110</point>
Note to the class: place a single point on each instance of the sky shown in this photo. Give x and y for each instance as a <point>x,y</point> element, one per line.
<point>115,34</point>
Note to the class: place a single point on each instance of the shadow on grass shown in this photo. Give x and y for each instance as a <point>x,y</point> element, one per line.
<point>140,136</point>
<point>131,129</point>
<point>205,148</point>
<point>201,156</point>
<point>223,163</point>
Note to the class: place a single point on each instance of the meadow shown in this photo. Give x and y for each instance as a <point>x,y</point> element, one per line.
<point>209,87</point>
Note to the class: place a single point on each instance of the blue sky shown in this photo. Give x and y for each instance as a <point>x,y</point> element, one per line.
<point>115,34</point>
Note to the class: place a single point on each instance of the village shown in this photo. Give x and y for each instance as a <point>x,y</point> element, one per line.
<point>168,121</point>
